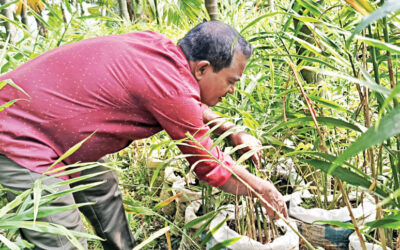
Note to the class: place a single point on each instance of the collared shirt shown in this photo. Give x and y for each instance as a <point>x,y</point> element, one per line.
<point>122,87</point>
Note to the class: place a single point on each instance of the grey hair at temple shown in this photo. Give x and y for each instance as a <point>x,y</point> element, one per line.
<point>212,41</point>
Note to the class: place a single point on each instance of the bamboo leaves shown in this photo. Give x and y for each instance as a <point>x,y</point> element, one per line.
<point>344,175</point>
<point>225,243</point>
<point>388,7</point>
<point>12,83</point>
<point>69,152</point>
<point>14,203</point>
<point>389,126</point>
<point>390,221</point>
<point>152,237</point>
<point>167,201</point>
<point>8,243</point>
<point>367,82</point>
<point>329,121</point>
<point>23,211</point>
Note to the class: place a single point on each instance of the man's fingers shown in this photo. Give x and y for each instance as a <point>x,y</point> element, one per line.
<point>271,213</point>
<point>256,159</point>
<point>284,212</point>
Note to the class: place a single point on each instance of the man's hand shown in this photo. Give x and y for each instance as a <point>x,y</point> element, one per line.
<point>274,198</point>
<point>238,138</point>
<point>265,188</point>
<point>252,143</point>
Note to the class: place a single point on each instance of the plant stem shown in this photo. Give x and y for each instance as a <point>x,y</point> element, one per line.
<point>258,216</point>
<point>308,102</point>
<point>313,114</point>
<point>346,199</point>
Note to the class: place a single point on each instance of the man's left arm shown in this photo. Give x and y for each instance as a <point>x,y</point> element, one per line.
<point>238,137</point>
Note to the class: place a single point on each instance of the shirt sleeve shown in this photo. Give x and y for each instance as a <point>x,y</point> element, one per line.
<point>177,116</point>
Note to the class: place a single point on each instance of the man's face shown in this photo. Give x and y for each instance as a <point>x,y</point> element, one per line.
<point>214,86</point>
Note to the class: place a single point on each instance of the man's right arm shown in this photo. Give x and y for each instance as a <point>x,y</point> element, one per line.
<point>178,121</point>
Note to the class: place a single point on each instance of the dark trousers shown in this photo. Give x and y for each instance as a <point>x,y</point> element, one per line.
<point>107,215</point>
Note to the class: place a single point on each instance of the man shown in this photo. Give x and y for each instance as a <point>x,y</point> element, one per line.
<point>124,87</point>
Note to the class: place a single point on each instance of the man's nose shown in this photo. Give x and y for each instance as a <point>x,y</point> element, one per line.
<point>231,89</point>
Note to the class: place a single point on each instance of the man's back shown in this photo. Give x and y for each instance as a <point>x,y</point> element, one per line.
<point>101,84</point>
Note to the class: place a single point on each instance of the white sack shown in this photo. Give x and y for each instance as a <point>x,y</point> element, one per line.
<point>356,245</point>
<point>289,240</point>
<point>178,186</point>
<point>366,209</point>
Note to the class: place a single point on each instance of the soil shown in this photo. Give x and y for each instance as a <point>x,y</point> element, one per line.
<point>312,203</point>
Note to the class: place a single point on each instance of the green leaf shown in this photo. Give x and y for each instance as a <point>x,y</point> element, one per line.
<point>310,6</point>
<point>224,135</point>
<point>10,103</point>
<point>330,158</point>
<point>45,211</point>
<point>336,223</point>
<point>307,45</point>
<point>392,96</point>
<point>369,84</point>
<point>379,44</point>
<point>391,221</point>
<point>225,243</point>
<point>388,7</point>
<point>37,194</point>
<point>8,243</point>
<point>68,6</point>
<point>208,216</point>
<point>11,82</point>
<point>69,152</point>
<point>389,126</point>
<point>258,19</point>
<point>72,190</point>
<point>201,229</point>
<point>67,233</point>
<point>394,195</point>
<point>212,231</point>
<point>305,58</point>
<point>167,201</point>
<point>39,17</point>
<point>8,4</point>
<point>248,154</point>
<point>138,210</point>
<point>344,175</point>
<point>156,173</point>
<point>152,237</point>
<point>52,11</point>
<point>16,23</point>
<point>80,178</point>
<point>329,104</point>
<point>328,121</point>
<point>14,203</point>
<point>44,227</point>
<point>71,169</point>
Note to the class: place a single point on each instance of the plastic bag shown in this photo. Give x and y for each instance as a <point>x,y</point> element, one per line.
<point>356,245</point>
<point>289,240</point>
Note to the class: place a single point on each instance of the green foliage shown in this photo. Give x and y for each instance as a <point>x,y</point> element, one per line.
<point>23,211</point>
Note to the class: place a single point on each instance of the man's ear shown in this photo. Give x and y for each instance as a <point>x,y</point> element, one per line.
<point>200,68</point>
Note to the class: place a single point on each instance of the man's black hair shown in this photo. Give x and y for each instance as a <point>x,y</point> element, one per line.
<point>212,41</point>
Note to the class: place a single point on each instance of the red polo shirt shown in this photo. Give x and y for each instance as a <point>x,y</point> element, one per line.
<point>124,87</point>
